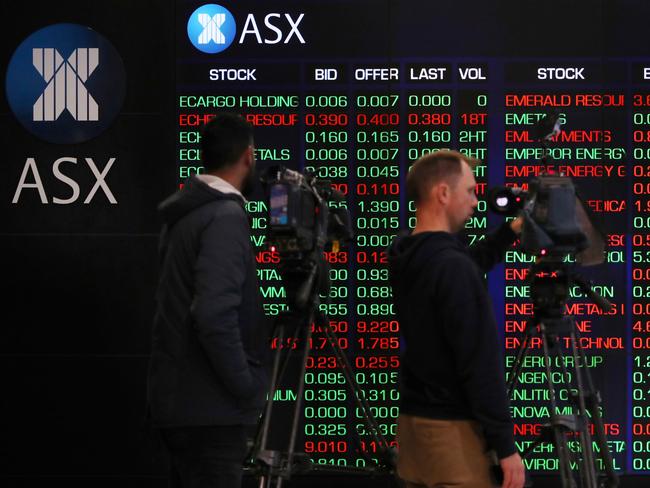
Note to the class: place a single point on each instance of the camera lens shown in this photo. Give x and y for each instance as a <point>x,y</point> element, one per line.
<point>502,202</point>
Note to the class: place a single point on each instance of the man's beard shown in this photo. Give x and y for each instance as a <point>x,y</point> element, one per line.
<point>248,185</point>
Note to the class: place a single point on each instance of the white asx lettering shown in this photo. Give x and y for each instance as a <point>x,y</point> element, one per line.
<point>271,24</point>
<point>30,168</point>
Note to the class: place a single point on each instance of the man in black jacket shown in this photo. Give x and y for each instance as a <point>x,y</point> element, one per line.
<point>207,381</point>
<point>453,405</point>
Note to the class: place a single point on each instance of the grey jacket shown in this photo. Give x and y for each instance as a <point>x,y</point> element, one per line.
<point>210,336</point>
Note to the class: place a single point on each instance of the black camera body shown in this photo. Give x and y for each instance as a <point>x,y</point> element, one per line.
<point>556,222</point>
<point>306,218</point>
<point>550,209</point>
<point>301,219</point>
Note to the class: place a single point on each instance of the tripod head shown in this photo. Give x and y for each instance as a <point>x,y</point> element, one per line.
<point>305,280</point>
<point>550,281</point>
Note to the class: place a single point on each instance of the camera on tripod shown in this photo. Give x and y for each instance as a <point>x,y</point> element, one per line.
<point>306,218</point>
<point>305,213</point>
<point>556,222</point>
<point>557,227</point>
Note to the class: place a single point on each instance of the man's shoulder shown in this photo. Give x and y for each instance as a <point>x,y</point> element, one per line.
<point>451,257</point>
<point>226,208</point>
<point>218,219</point>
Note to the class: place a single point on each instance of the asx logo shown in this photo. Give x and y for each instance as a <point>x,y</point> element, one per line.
<point>212,28</point>
<point>66,79</point>
<point>65,83</point>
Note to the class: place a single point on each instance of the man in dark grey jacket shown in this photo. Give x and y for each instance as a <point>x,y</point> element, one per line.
<point>207,379</point>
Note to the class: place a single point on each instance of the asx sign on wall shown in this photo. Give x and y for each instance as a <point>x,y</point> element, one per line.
<point>65,84</point>
<point>212,28</point>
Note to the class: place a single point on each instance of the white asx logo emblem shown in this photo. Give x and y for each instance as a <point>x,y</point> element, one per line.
<point>65,83</point>
<point>212,28</point>
<point>65,88</point>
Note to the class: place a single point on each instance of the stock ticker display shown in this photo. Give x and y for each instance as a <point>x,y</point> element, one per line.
<point>355,92</point>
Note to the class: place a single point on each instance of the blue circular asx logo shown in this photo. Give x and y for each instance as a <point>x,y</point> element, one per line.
<point>65,83</point>
<point>211,28</point>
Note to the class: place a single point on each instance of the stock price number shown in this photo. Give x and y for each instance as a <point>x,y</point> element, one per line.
<point>318,343</point>
<point>376,206</point>
<point>641,326</point>
<point>331,137</point>
<point>380,395</point>
<point>334,309</point>
<point>373,257</point>
<point>325,429</point>
<point>324,378</point>
<point>641,100</point>
<point>375,308</point>
<point>326,120</point>
<point>328,171</point>
<point>373,446</point>
<point>376,377</point>
<point>364,189</point>
<point>378,343</point>
<point>337,326</point>
<point>384,429</point>
<point>378,326</point>
<point>374,292</point>
<point>376,362</point>
<point>325,446</point>
<point>641,256</point>
<point>379,412</point>
<point>322,362</point>
<point>376,223</point>
<point>332,257</point>
<point>378,136</point>
<point>429,119</point>
<point>372,274</point>
<point>325,395</point>
<point>390,171</point>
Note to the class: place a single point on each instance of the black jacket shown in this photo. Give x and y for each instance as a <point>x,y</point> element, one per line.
<point>452,364</point>
<point>210,334</point>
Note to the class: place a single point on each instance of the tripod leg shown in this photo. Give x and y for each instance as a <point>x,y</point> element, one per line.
<point>264,430</point>
<point>592,404</point>
<point>513,375</point>
<point>265,481</point>
<point>588,464</point>
<point>563,454</point>
<point>601,439</point>
<point>261,436</point>
<point>299,394</point>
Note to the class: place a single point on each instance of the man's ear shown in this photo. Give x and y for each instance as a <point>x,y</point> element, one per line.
<point>251,156</point>
<point>442,192</point>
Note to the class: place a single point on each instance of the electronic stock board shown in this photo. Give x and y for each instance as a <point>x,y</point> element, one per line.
<point>356,91</point>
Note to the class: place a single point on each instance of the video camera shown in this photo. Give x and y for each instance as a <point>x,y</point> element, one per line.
<point>306,218</point>
<point>301,218</point>
<point>556,222</point>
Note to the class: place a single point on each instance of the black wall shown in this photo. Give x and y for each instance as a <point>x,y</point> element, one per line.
<point>79,279</point>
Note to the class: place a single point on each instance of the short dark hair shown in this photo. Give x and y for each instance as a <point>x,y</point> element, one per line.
<point>224,140</point>
<point>432,168</point>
